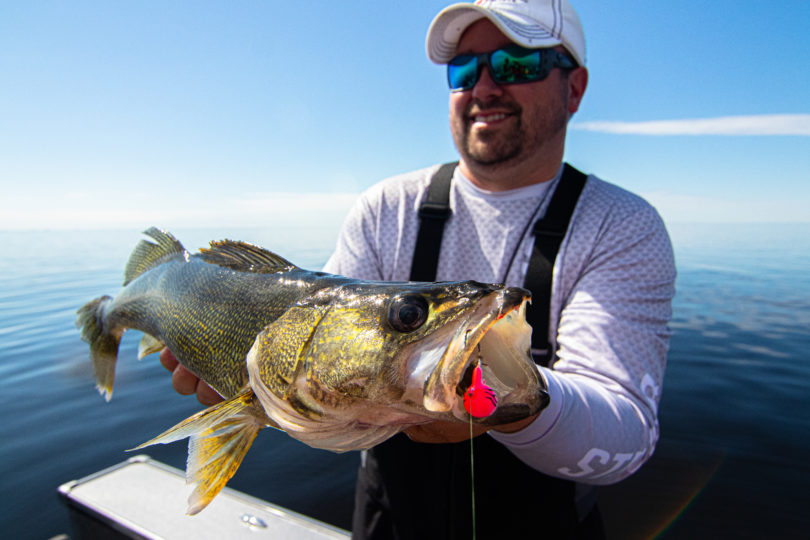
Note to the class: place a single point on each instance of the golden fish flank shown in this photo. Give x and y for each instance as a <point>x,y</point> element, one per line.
<point>337,363</point>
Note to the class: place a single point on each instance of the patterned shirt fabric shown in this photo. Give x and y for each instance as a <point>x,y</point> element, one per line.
<point>613,284</point>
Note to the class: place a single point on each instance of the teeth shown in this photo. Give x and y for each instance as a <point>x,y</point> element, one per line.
<point>489,117</point>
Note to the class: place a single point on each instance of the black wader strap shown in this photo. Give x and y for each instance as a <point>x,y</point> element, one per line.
<point>548,235</point>
<point>549,232</point>
<point>433,212</point>
<point>390,498</point>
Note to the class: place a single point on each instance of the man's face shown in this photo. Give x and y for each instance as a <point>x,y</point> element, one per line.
<point>496,125</point>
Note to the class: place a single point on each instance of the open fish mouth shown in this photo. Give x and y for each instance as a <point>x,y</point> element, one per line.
<point>496,337</point>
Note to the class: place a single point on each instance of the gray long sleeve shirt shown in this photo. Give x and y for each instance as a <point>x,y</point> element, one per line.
<point>612,289</point>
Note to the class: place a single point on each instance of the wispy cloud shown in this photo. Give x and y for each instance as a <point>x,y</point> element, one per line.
<point>766,124</point>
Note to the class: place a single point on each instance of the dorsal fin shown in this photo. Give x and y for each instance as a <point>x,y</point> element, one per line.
<point>244,257</point>
<point>147,255</point>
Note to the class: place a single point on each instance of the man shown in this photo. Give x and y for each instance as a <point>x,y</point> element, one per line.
<point>517,74</point>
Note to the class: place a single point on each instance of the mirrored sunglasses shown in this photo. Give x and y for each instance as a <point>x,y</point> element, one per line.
<point>510,65</point>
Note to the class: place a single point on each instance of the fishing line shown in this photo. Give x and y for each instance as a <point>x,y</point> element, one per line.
<point>472,459</point>
<point>526,227</point>
<point>472,477</point>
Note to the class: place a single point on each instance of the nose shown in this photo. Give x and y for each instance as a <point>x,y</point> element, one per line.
<point>486,87</point>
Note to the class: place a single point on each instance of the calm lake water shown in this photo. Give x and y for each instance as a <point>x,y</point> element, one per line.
<point>735,412</point>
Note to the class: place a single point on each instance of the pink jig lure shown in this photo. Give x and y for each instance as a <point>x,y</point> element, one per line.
<point>479,399</point>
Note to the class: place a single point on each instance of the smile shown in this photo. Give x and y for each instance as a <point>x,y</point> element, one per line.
<point>488,118</point>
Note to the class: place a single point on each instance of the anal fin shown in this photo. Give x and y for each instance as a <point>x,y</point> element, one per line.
<point>149,345</point>
<point>219,438</point>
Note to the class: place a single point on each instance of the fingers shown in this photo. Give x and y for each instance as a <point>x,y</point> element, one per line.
<point>207,395</point>
<point>443,432</point>
<point>167,359</point>
<point>183,381</point>
<point>516,426</point>
<point>186,383</point>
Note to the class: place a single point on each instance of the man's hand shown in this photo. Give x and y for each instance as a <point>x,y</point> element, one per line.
<point>186,383</point>
<point>450,432</point>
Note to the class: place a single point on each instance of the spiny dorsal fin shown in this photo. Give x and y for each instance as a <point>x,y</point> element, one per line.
<point>244,257</point>
<point>147,255</point>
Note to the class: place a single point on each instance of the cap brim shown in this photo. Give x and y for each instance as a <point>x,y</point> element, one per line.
<point>446,29</point>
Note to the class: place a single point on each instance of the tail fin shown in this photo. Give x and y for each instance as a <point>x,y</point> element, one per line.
<point>219,438</point>
<point>103,346</point>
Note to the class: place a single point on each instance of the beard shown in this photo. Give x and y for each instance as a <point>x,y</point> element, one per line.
<point>522,133</point>
<point>491,147</point>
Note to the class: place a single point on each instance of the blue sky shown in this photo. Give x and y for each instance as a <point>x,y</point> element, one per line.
<point>128,114</point>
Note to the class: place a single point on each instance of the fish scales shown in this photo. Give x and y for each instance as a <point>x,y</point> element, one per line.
<point>208,316</point>
<point>337,363</point>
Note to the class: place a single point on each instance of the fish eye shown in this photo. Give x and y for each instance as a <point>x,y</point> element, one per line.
<point>408,312</point>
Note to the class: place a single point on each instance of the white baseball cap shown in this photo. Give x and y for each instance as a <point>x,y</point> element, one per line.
<point>530,23</point>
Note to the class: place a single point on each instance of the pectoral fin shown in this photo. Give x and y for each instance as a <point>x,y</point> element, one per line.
<point>219,438</point>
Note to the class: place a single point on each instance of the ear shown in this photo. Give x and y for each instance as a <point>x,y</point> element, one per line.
<point>577,82</point>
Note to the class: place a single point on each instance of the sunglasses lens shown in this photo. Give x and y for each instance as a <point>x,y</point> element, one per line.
<point>516,65</point>
<point>462,72</point>
<point>510,65</point>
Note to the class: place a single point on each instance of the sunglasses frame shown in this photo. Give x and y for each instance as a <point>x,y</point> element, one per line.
<point>549,59</point>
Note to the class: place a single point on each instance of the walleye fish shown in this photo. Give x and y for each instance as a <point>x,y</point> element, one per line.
<point>338,363</point>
